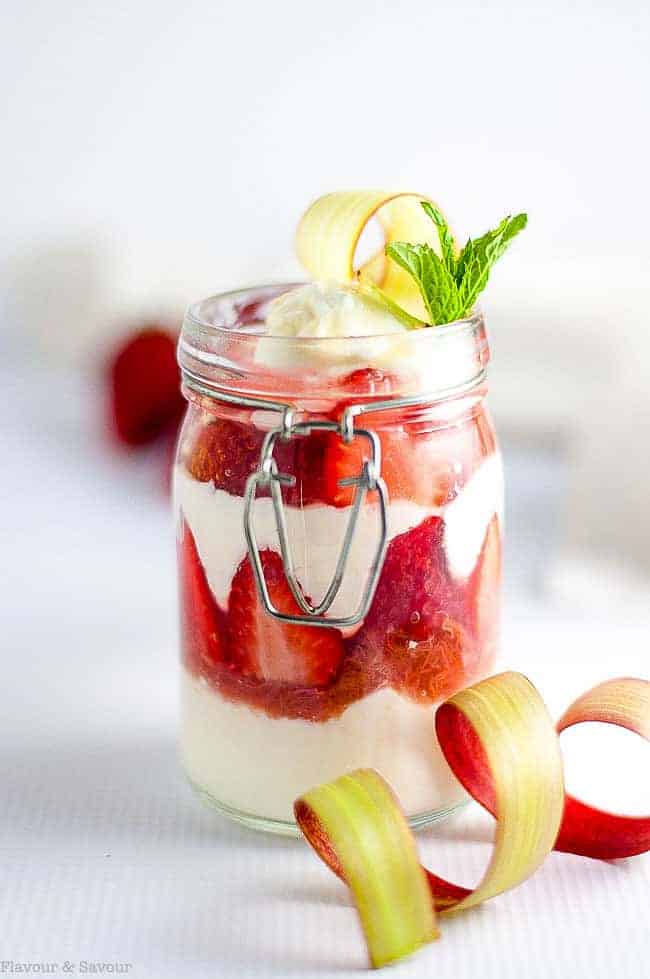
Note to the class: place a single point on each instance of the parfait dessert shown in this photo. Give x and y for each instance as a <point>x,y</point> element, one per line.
<point>338,490</point>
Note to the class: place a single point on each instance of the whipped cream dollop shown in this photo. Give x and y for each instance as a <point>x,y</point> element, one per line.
<point>334,314</point>
<point>325,309</point>
<point>334,329</point>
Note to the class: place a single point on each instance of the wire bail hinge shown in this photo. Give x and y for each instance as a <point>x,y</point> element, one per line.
<point>368,480</point>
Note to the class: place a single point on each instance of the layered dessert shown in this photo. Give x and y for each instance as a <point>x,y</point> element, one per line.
<point>270,706</point>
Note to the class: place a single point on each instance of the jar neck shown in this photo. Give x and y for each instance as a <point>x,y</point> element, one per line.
<point>225,355</point>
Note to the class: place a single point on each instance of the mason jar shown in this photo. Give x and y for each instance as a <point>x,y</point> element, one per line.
<point>339,520</point>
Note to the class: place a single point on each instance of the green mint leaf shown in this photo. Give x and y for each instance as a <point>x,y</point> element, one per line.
<point>450,284</point>
<point>436,283</point>
<point>478,256</point>
<point>447,248</point>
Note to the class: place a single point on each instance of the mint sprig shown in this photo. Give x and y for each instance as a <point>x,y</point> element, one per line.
<point>435,281</point>
<point>447,247</point>
<point>449,283</point>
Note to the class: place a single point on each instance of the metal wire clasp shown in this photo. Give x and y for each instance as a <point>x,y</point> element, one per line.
<point>368,480</point>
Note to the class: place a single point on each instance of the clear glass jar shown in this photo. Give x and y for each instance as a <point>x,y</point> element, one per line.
<point>339,511</point>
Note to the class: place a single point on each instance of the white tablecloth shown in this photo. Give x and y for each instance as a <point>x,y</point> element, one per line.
<point>106,856</point>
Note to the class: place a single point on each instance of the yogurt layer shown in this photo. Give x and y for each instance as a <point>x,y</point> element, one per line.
<point>222,745</point>
<point>316,532</point>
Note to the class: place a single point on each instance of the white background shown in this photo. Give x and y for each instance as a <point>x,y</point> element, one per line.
<point>156,152</point>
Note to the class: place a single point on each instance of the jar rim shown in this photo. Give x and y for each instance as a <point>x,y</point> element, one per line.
<point>223,344</point>
<point>227,300</point>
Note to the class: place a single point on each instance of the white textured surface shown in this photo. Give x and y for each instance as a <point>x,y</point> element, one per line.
<point>105,855</point>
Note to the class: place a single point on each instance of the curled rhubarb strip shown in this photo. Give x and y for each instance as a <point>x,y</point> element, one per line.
<point>500,742</point>
<point>593,832</point>
<point>358,827</point>
<point>505,749</point>
<point>498,738</point>
<point>329,232</point>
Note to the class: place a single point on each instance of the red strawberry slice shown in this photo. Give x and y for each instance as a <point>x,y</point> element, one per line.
<point>428,663</point>
<point>328,460</point>
<point>415,584</point>
<point>225,452</point>
<point>415,461</point>
<point>416,468</point>
<point>146,399</point>
<point>413,620</point>
<point>337,461</point>
<point>202,621</point>
<point>262,647</point>
<point>415,465</point>
<point>418,463</point>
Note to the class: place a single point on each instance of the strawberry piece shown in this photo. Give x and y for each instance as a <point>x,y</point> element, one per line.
<point>370,381</point>
<point>414,618</point>
<point>415,585</point>
<point>202,621</point>
<point>430,668</point>
<point>261,647</point>
<point>415,469</point>
<point>225,452</point>
<point>337,461</point>
<point>145,393</point>
<point>330,460</point>
<point>418,463</point>
<point>413,466</point>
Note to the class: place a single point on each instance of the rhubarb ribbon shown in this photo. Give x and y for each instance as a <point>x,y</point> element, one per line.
<point>501,744</point>
<point>586,830</point>
<point>329,232</point>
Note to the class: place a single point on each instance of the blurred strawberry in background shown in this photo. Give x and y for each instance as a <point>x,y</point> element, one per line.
<point>144,396</point>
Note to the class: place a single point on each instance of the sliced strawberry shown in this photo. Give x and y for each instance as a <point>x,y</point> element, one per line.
<point>145,393</point>
<point>428,663</point>
<point>415,585</point>
<point>330,460</point>
<point>225,452</point>
<point>262,647</point>
<point>414,467</point>
<point>337,461</point>
<point>202,621</point>
<point>413,620</point>
<point>419,463</point>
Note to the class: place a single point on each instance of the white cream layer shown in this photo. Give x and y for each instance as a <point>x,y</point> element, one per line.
<point>261,765</point>
<point>468,515</point>
<point>316,532</point>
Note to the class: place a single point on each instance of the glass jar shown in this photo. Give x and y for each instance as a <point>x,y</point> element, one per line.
<point>339,511</point>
